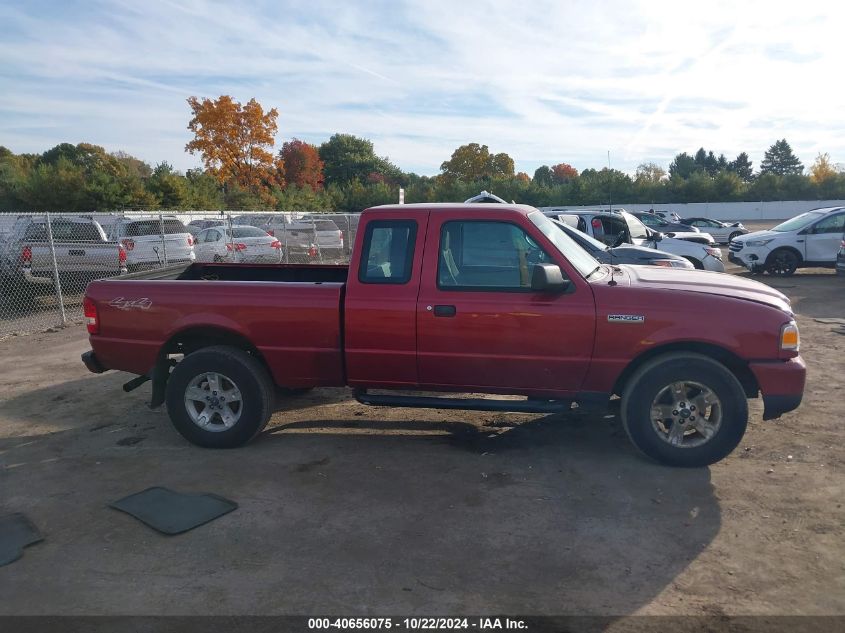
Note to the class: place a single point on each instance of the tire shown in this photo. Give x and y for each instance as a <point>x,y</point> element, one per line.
<point>782,263</point>
<point>233,367</point>
<point>648,385</point>
<point>698,265</point>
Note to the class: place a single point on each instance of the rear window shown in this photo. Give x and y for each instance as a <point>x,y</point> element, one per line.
<point>154,227</point>
<point>248,231</point>
<point>63,232</point>
<point>325,225</point>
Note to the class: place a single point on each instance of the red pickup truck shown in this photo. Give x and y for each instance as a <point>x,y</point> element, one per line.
<point>457,299</point>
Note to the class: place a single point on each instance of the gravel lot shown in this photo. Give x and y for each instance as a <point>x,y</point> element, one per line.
<point>349,510</point>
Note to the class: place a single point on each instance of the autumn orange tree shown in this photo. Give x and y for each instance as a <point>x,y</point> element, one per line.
<point>234,141</point>
<point>303,166</point>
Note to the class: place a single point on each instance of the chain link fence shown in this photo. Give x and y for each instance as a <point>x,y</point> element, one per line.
<point>47,259</point>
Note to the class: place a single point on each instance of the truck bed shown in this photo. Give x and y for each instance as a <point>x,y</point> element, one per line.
<point>294,323</point>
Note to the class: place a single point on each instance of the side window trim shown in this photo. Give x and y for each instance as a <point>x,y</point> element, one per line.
<point>412,227</point>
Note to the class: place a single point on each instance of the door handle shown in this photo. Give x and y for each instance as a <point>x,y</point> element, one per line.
<point>445,311</point>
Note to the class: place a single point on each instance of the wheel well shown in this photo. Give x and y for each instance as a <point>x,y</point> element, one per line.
<point>731,361</point>
<point>792,249</point>
<point>191,340</point>
<point>695,262</point>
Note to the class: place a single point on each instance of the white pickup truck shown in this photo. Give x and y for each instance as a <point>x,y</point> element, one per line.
<point>82,250</point>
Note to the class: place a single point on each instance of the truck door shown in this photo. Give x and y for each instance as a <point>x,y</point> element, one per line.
<point>823,238</point>
<point>381,300</point>
<point>479,323</point>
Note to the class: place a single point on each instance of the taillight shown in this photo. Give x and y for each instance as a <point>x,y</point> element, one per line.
<point>596,223</point>
<point>26,256</point>
<point>91,321</point>
<point>340,236</point>
<point>121,256</point>
<point>190,241</point>
<point>127,244</point>
<point>275,244</point>
<point>271,232</point>
<point>235,247</point>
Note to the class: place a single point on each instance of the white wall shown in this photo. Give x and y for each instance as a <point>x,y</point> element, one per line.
<point>781,210</point>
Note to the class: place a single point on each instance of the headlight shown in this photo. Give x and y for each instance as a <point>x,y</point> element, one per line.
<point>758,242</point>
<point>715,252</point>
<point>672,263</point>
<point>789,338</point>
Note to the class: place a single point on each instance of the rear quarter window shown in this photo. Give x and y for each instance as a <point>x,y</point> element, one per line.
<point>388,254</point>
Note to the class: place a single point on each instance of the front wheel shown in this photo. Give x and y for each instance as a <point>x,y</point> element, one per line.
<point>684,409</point>
<point>782,263</point>
<point>219,397</point>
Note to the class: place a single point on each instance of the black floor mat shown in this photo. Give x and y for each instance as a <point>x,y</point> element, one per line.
<point>16,532</point>
<point>172,512</point>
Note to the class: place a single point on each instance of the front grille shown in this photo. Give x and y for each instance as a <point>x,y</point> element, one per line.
<point>735,246</point>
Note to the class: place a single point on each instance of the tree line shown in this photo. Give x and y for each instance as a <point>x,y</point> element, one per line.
<point>241,170</point>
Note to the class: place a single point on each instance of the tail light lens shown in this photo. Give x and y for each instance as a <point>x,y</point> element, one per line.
<point>596,223</point>
<point>271,232</point>
<point>190,241</point>
<point>121,256</point>
<point>127,244</point>
<point>312,252</point>
<point>26,255</point>
<point>91,318</point>
<point>715,252</point>
<point>235,247</point>
<point>275,244</point>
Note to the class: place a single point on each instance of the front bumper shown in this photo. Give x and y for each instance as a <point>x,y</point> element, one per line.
<point>753,258</point>
<point>91,361</point>
<point>781,383</point>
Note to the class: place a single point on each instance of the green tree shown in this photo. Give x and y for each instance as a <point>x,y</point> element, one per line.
<point>780,161</point>
<point>683,166</point>
<point>543,176</point>
<point>346,158</point>
<point>473,162</point>
<point>169,187</point>
<point>741,166</point>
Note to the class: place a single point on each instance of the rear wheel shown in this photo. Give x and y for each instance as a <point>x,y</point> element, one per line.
<point>684,409</point>
<point>219,397</point>
<point>782,263</point>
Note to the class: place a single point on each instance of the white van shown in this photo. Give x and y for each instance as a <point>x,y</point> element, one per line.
<point>809,240</point>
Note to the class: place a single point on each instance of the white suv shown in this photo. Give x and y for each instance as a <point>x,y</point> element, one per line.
<point>808,240</point>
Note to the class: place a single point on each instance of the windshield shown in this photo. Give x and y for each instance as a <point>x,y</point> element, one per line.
<point>636,229</point>
<point>798,222</point>
<point>577,256</point>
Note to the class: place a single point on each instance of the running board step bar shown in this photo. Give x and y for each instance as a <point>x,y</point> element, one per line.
<point>466,404</point>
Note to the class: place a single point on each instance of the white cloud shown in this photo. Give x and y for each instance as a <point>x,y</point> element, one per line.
<point>543,81</point>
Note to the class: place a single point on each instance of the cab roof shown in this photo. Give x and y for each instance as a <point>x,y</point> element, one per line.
<point>436,207</point>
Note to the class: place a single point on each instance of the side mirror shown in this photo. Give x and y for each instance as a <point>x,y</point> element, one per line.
<point>548,278</point>
<point>657,236</point>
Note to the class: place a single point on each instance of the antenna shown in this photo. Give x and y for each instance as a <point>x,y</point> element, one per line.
<point>612,281</point>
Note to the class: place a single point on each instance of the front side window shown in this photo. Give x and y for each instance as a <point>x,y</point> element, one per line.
<point>388,253</point>
<point>487,255</point>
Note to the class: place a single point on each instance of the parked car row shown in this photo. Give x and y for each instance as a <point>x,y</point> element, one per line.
<point>620,227</point>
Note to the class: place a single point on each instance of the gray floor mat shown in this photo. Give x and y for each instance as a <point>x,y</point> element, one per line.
<point>172,512</point>
<point>16,532</point>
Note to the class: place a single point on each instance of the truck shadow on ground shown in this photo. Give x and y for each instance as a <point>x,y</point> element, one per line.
<point>419,513</point>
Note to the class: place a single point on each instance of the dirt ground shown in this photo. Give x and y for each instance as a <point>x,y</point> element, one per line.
<point>350,510</point>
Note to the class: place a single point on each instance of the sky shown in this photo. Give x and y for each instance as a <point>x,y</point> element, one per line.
<point>545,82</point>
